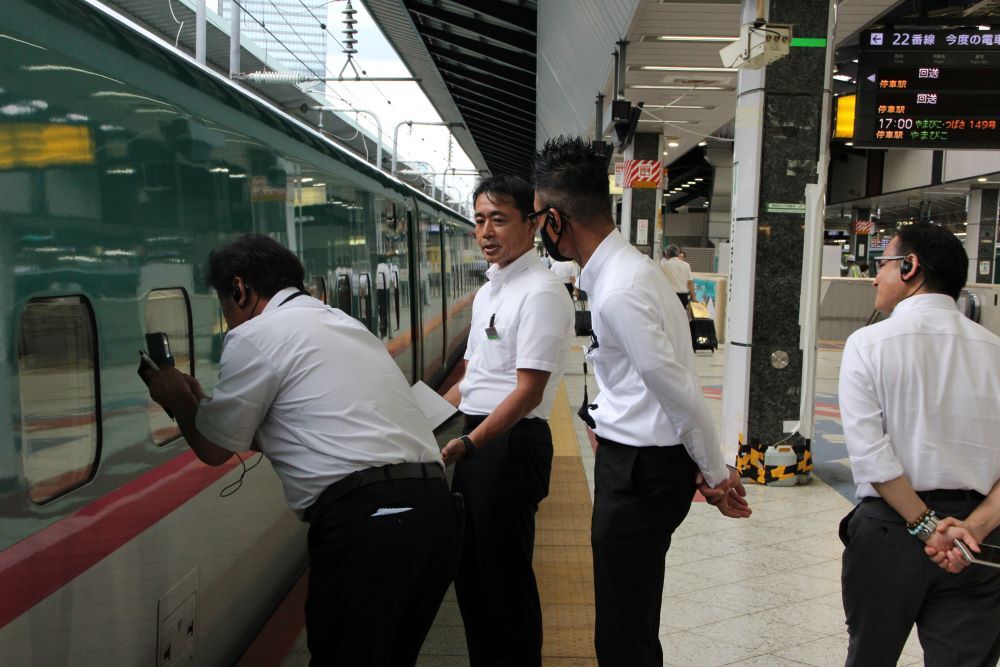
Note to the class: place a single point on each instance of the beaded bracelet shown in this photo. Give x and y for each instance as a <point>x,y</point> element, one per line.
<point>924,527</point>
<point>920,519</point>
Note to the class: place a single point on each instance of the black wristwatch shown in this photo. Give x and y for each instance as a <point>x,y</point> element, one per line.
<point>470,448</point>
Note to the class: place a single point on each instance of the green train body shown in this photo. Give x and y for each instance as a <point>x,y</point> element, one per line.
<point>122,164</point>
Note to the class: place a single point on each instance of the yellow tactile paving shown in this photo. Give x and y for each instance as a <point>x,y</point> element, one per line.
<point>561,423</point>
<point>563,564</point>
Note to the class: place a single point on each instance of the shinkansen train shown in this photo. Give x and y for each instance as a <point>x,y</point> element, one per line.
<point>122,164</point>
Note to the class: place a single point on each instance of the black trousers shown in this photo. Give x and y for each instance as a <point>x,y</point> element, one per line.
<point>888,584</point>
<point>376,579</point>
<point>496,588</point>
<point>641,495</point>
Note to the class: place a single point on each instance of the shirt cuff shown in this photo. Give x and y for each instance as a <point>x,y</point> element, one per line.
<point>878,464</point>
<point>536,365</point>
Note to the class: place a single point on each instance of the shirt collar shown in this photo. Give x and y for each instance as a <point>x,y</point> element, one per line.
<point>611,243</point>
<point>280,296</point>
<point>499,277</point>
<point>924,301</point>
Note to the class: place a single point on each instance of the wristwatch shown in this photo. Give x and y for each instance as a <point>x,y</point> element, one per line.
<point>470,447</point>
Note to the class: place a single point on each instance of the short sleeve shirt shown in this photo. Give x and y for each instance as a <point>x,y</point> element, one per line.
<point>533,320</point>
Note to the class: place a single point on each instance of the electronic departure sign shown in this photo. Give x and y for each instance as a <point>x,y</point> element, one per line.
<point>928,89</point>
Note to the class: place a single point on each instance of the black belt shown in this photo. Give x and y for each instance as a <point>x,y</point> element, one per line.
<point>360,478</point>
<point>951,495</point>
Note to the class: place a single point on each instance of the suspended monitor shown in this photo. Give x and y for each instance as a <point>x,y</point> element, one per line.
<point>928,88</point>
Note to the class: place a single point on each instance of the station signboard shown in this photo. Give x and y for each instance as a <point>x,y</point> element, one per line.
<point>923,88</point>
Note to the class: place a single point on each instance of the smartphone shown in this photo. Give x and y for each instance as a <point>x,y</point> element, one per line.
<point>159,349</point>
<point>988,554</point>
<point>145,364</point>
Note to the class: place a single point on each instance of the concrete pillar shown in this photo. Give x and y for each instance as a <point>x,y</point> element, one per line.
<point>640,205</point>
<point>981,234</point>
<point>719,154</point>
<point>780,120</point>
<point>858,243</point>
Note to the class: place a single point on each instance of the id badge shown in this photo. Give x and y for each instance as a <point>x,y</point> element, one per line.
<point>491,333</point>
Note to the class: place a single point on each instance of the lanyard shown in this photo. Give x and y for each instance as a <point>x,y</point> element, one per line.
<point>290,297</point>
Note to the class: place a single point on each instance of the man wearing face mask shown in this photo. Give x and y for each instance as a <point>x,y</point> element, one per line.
<point>314,391</point>
<point>521,325</point>
<point>656,439</point>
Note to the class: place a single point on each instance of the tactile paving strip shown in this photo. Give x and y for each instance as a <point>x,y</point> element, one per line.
<point>563,562</point>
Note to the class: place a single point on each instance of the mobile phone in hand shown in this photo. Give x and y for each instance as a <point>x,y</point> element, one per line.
<point>158,345</point>
<point>988,554</point>
<point>145,365</point>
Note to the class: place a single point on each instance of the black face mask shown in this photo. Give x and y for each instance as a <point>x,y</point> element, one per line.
<point>552,247</point>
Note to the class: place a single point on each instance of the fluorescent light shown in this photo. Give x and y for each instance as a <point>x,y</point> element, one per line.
<point>680,68</point>
<point>664,87</point>
<point>695,38</point>
<point>673,144</point>
<point>848,143</point>
<point>669,122</point>
<point>981,179</point>
<point>676,106</point>
<point>702,143</point>
<point>843,77</point>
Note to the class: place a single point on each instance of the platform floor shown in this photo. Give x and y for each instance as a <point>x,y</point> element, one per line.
<point>758,592</point>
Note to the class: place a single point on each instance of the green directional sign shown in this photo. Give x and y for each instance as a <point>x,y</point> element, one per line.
<point>794,209</point>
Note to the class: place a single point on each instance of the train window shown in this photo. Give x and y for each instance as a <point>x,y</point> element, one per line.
<point>60,399</point>
<point>317,288</point>
<point>365,299</point>
<point>169,311</point>
<point>344,293</point>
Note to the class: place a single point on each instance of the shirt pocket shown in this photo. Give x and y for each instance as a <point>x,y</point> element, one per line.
<point>498,354</point>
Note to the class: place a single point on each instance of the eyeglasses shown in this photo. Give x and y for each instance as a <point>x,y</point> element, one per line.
<point>545,209</point>
<point>879,261</point>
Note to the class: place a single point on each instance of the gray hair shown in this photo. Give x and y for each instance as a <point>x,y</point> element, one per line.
<point>672,251</point>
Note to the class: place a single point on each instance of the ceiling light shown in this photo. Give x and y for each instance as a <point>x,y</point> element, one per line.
<point>981,179</point>
<point>681,68</point>
<point>848,143</point>
<point>695,38</point>
<point>665,87</point>
<point>673,144</point>
<point>984,27</point>
<point>669,122</point>
<point>843,77</point>
<point>702,143</point>
<point>699,180</point>
<point>676,106</point>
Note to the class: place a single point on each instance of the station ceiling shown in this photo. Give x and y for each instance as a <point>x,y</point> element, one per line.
<point>476,61</point>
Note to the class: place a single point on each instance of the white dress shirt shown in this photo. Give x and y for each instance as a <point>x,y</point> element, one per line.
<point>320,392</point>
<point>920,397</point>
<point>644,363</point>
<point>678,272</point>
<point>565,271</point>
<point>533,317</point>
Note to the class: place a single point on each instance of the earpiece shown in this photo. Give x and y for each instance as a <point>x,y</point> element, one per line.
<point>239,294</point>
<point>905,266</point>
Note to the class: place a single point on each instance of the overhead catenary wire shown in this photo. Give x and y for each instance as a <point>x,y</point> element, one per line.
<point>274,37</point>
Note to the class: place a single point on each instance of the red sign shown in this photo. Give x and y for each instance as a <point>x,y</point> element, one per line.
<point>643,174</point>
<point>862,227</point>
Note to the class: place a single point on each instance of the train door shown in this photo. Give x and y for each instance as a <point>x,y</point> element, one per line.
<point>392,280</point>
<point>431,296</point>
